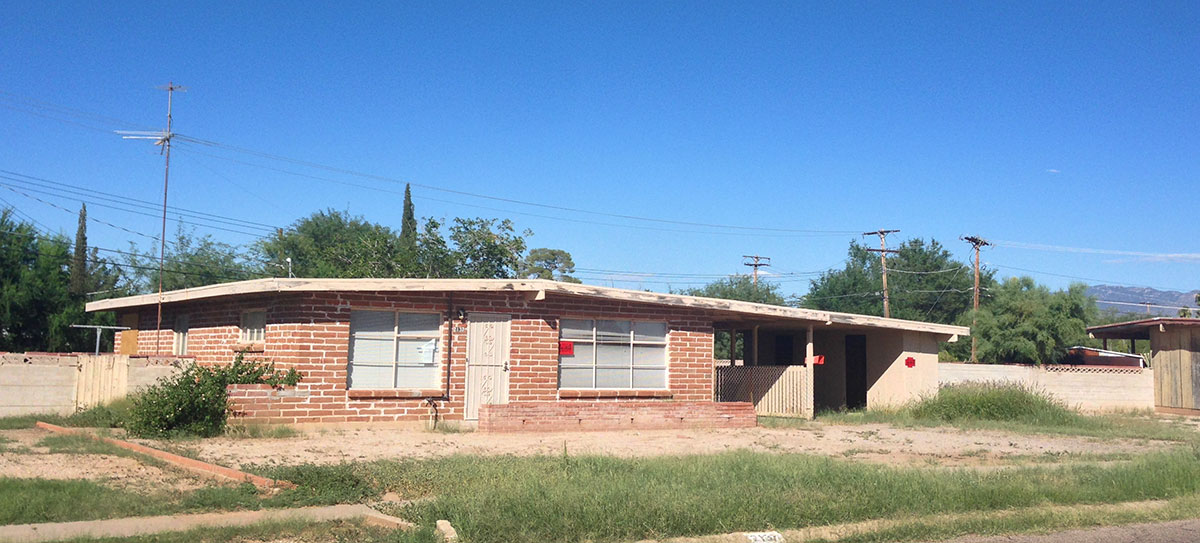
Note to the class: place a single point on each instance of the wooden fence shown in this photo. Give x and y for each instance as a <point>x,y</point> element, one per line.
<point>774,390</point>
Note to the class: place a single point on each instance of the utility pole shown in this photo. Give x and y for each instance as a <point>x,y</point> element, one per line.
<point>976,243</point>
<point>163,139</point>
<point>883,252</point>
<point>756,262</point>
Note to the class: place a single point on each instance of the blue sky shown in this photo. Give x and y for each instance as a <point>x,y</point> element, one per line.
<point>1072,125</point>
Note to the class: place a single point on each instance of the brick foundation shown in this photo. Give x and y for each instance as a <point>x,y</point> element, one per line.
<point>641,415</point>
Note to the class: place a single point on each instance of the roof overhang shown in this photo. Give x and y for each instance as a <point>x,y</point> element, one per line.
<point>534,290</point>
<point>1139,329</point>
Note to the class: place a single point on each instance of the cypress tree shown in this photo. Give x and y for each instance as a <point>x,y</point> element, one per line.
<point>79,264</point>
<point>408,223</point>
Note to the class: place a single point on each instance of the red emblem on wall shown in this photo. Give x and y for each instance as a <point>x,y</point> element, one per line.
<point>566,348</point>
<point>910,362</point>
<point>819,360</point>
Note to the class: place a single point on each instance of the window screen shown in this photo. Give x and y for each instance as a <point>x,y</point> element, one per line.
<point>612,354</point>
<point>254,326</point>
<point>180,332</point>
<point>394,350</point>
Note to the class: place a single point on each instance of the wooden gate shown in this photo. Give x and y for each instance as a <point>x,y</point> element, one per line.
<point>487,361</point>
<point>774,390</point>
<point>101,379</point>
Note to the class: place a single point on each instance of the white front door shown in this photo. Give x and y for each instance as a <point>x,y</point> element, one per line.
<point>487,361</point>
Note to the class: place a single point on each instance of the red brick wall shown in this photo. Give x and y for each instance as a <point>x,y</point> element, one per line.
<point>567,416</point>
<point>311,332</point>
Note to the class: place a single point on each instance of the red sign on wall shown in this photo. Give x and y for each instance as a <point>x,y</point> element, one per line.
<point>819,360</point>
<point>910,362</point>
<point>566,348</point>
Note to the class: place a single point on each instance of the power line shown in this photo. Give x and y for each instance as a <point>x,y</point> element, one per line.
<point>93,199</point>
<point>187,149</point>
<point>1093,280</point>
<point>345,171</point>
<point>76,189</point>
<point>755,262</point>
<point>1086,250</point>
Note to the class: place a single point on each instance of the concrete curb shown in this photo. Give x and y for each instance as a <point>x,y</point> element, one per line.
<point>190,464</point>
<point>134,526</point>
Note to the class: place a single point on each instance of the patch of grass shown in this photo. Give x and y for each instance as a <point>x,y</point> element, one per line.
<point>1008,407</point>
<point>260,431</point>
<point>449,427</point>
<point>287,530</point>
<point>38,500</point>
<point>784,422</point>
<point>1031,520</point>
<point>501,499</point>
<point>112,415</point>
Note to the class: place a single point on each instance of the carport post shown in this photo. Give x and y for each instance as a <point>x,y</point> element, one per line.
<point>809,356</point>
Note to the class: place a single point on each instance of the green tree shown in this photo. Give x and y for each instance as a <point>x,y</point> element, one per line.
<point>36,303</point>
<point>332,244</point>
<point>435,259</point>
<point>189,261</point>
<point>487,248</point>
<point>79,261</point>
<point>543,263</point>
<point>736,287</point>
<point>1027,323</point>
<point>408,224</point>
<point>925,283</point>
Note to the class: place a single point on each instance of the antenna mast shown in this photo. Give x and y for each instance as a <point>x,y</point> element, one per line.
<point>163,139</point>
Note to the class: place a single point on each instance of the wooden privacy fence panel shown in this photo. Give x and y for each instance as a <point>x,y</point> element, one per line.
<point>102,379</point>
<point>774,390</point>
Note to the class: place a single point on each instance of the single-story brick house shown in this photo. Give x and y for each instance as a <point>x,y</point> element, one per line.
<point>521,354</point>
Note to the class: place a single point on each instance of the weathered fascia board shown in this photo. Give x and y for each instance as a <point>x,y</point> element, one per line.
<point>532,290</point>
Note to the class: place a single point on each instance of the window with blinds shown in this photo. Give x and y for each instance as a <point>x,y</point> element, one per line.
<point>610,354</point>
<point>389,349</point>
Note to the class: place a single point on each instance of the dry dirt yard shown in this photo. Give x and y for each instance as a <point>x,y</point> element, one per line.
<point>22,457</point>
<point>870,442</point>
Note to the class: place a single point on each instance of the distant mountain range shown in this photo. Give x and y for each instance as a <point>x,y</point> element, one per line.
<point>1170,300</point>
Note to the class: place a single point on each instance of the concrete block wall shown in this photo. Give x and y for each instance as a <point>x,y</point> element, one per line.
<point>1087,388</point>
<point>37,383</point>
<point>311,333</point>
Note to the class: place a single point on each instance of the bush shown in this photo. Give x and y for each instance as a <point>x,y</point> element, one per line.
<point>992,401</point>
<point>194,401</point>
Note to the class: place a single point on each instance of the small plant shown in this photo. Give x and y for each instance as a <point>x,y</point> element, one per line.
<point>993,402</point>
<point>194,401</point>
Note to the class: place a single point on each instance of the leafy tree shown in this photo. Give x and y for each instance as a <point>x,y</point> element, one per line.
<point>1025,322</point>
<point>37,306</point>
<point>925,283</point>
<point>434,259</point>
<point>332,244</point>
<point>736,287</point>
<point>189,261</point>
<point>487,248</point>
<point>545,263</point>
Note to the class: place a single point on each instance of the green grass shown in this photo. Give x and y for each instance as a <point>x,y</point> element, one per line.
<point>1033,520</point>
<point>25,501</point>
<point>112,415</point>
<point>337,531</point>
<point>565,498</point>
<point>260,431</point>
<point>991,406</point>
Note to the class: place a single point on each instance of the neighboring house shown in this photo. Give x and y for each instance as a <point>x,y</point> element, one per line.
<point>526,354</point>
<point>1091,356</point>
<point>1174,357</point>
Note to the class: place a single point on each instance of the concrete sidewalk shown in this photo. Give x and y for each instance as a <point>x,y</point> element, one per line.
<point>127,527</point>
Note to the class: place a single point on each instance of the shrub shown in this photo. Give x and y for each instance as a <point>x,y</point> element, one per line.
<point>194,401</point>
<point>111,415</point>
<point>992,401</point>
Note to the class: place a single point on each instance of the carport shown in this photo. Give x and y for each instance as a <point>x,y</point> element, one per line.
<point>797,365</point>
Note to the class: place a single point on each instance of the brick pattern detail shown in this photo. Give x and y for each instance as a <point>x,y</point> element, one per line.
<point>641,415</point>
<point>311,333</point>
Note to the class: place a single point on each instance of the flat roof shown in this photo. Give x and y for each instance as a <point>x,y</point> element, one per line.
<point>538,288</point>
<point>1139,329</point>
